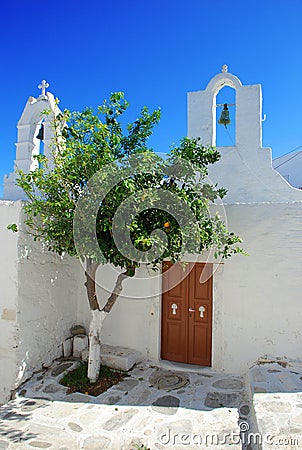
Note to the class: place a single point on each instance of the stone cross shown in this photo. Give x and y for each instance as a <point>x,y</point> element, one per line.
<point>224,68</point>
<point>43,87</point>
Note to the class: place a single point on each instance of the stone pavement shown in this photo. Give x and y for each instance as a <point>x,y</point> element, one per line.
<point>276,393</point>
<point>157,408</point>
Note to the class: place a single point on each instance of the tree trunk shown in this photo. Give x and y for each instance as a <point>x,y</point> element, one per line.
<point>94,360</point>
<point>98,316</point>
<point>91,268</point>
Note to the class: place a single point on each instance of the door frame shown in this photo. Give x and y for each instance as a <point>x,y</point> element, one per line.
<point>212,322</point>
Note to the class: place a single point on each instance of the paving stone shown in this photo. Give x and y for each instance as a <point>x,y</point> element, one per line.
<point>3,445</point>
<point>31,405</point>
<point>177,426</point>
<point>297,419</point>
<point>38,387</point>
<point>290,430</point>
<point>258,375</point>
<point>244,410</point>
<point>168,405</point>
<point>127,385</point>
<point>143,396</point>
<point>228,383</point>
<point>40,444</point>
<point>75,427</point>
<point>77,329</point>
<point>259,390</point>
<point>96,443</point>
<point>53,388</point>
<point>112,400</point>
<point>60,369</point>
<point>221,399</point>
<point>119,419</point>
<point>277,407</point>
<point>89,417</point>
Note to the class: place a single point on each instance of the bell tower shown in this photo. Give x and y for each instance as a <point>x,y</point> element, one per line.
<point>245,168</point>
<point>35,136</point>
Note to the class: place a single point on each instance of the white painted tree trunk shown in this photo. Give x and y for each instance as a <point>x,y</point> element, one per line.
<point>94,360</point>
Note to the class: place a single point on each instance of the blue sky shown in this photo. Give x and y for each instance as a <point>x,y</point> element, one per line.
<point>155,52</point>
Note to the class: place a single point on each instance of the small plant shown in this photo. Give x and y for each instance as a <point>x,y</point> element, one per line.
<point>141,447</point>
<point>77,380</point>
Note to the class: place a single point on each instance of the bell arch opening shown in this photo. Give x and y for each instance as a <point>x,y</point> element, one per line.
<point>38,142</point>
<point>224,109</point>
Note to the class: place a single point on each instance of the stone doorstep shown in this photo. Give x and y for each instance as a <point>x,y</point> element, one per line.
<point>120,358</point>
<point>274,391</point>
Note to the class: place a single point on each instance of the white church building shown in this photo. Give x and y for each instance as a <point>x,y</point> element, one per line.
<point>249,307</point>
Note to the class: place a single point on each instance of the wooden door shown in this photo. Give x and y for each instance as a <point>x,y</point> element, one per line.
<point>187,313</point>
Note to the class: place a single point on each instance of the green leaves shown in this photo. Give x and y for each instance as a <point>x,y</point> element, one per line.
<point>86,142</point>
<point>13,227</point>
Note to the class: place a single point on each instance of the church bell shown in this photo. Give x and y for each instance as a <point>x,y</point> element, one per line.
<point>40,134</point>
<point>225,116</point>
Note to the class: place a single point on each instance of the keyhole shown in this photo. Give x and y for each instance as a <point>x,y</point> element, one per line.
<point>174,308</point>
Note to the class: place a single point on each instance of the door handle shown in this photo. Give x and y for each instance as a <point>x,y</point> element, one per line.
<point>191,310</point>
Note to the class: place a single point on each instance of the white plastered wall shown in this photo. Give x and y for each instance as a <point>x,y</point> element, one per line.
<point>134,320</point>
<point>256,298</point>
<point>38,302</point>
<point>259,295</point>
<point>9,213</point>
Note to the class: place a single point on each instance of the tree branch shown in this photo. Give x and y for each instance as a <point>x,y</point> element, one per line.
<point>116,291</point>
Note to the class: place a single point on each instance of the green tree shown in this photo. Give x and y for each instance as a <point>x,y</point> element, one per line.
<point>92,152</point>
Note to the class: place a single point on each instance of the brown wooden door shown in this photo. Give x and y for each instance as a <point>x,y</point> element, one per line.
<point>187,313</point>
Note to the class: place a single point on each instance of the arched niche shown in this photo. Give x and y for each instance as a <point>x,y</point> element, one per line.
<point>28,145</point>
<point>224,136</point>
<point>202,111</point>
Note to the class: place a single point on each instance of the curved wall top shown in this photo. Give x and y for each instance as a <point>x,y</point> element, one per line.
<point>245,169</point>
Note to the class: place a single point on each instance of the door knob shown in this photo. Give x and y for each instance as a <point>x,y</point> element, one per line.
<point>191,310</point>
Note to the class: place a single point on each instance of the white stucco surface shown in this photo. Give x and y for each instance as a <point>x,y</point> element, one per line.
<point>38,302</point>
<point>256,298</point>
<point>9,213</point>
<point>261,292</point>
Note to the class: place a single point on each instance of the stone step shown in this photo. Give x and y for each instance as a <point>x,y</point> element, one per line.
<point>276,397</point>
<point>119,358</point>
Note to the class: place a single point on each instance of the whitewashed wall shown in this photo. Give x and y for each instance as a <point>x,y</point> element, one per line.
<point>9,213</point>
<point>38,302</point>
<point>259,295</point>
<point>134,319</point>
<point>257,298</point>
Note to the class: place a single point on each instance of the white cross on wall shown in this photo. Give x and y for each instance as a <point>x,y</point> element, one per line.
<point>43,87</point>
